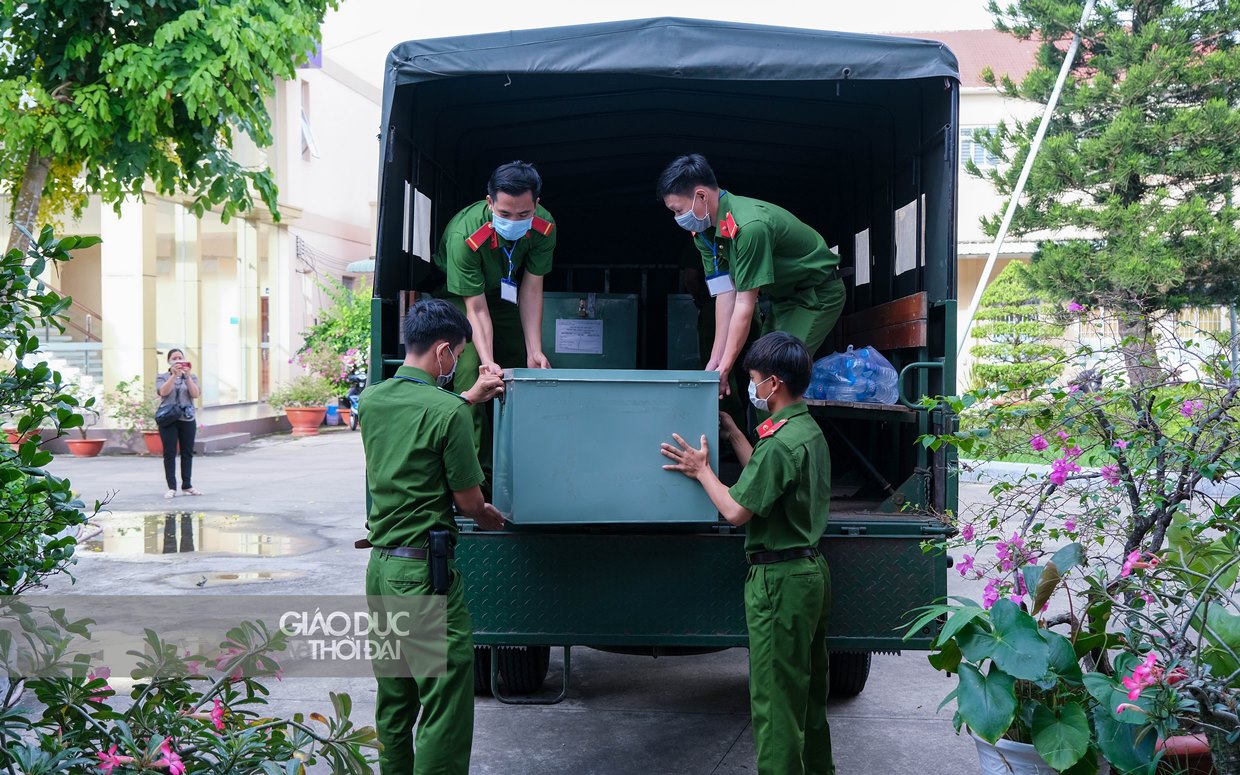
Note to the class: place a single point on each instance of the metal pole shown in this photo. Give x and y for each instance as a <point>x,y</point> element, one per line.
<point>1069,58</point>
<point>1235,346</point>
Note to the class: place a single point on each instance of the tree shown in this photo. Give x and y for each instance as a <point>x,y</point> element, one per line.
<point>100,97</point>
<point>338,343</point>
<point>1141,158</point>
<point>1016,327</point>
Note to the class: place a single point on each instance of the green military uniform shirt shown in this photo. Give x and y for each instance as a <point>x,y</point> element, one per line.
<point>786,484</point>
<point>475,268</point>
<point>419,449</point>
<point>764,246</point>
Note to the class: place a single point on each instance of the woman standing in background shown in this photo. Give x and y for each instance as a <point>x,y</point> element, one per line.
<point>178,386</point>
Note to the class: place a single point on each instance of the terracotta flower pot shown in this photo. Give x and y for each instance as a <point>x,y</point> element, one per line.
<point>305,419</point>
<point>1186,755</point>
<point>16,439</point>
<point>154,444</point>
<point>85,447</point>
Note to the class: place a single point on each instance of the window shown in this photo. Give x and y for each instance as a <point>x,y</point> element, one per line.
<point>971,149</point>
<point>309,150</point>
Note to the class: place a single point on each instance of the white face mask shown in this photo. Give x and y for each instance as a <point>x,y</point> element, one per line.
<point>760,403</point>
<point>443,379</point>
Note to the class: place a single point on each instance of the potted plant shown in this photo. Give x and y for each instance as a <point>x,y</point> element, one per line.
<point>132,407</point>
<point>86,403</point>
<point>304,401</point>
<point>1113,532</point>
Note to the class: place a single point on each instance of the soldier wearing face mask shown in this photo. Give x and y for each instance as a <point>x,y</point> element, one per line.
<point>495,253</point>
<point>750,246</point>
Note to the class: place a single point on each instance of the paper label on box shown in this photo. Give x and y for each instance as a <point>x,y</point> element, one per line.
<point>579,337</point>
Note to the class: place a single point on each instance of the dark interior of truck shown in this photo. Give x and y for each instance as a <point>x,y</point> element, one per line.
<point>843,155</point>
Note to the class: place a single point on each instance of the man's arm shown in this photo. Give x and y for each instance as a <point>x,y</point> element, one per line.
<point>480,319</point>
<point>738,331</point>
<point>531,311</point>
<point>471,504</point>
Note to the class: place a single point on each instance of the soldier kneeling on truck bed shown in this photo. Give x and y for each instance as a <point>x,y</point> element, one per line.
<point>782,498</point>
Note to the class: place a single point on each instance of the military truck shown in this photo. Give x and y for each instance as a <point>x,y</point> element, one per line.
<point>853,133</point>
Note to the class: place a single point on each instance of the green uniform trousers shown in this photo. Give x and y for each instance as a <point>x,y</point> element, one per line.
<point>445,731</point>
<point>810,317</point>
<point>508,349</point>
<point>786,608</point>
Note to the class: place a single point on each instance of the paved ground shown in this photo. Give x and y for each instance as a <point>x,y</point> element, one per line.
<point>294,508</point>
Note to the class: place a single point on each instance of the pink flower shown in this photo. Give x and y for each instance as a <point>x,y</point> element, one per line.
<point>1134,562</point>
<point>1145,674</point>
<point>1038,443</point>
<point>1074,388</point>
<point>1073,451</point>
<point>1123,706</point>
<point>1188,407</point>
<point>1074,307</point>
<point>966,533</point>
<point>170,760</point>
<point>111,759</point>
<point>103,673</point>
<point>1002,551</point>
<point>1147,597</point>
<point>217,715</point>
<point>966,565</point>
<point>990,595</point>
<point>1061,468</point>
<point>1120,444</point>
<point>1111,474</point>
<point>1063,435</point>
<point>1070,525</point>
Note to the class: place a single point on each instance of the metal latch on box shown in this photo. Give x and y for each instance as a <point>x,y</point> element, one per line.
<point>585,307</point>
<point>852,530</point>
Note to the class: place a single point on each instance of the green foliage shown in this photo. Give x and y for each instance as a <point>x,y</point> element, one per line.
<point>1015,327</point>
<point>1141,153</point>
<point>307,390</point>
<point>125,92</point>
<point>132,405</point>
<point>179,717</point>
<point>39,513</point>
<point>338,344</point>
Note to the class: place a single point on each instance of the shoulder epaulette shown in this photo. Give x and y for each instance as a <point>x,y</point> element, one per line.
<point>485,232</point>
<point>542,227</point>
<point>728,228</point>
<point>768,428</point>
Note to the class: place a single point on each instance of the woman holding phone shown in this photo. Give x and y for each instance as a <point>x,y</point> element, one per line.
<point>178,386</point>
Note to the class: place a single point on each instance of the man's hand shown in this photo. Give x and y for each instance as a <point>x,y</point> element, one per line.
<point>488,386</point>
<point>490,518</point>
<point>537,361</point>
<point>491,368</point>
<point>688,461</point>
<point>728,427</point>
<point>725,383</point>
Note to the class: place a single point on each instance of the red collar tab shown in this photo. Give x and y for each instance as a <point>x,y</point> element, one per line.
<point>476,239</point>
<point>542,227</point>
<point>728,228</point>
<point>767,429</point>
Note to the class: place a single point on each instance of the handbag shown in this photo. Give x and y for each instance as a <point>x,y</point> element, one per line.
<point>167,415</point>
<point>187,413</point>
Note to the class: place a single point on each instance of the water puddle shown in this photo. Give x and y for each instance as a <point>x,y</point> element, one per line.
<point>184,532</point>
<point>189,580</point>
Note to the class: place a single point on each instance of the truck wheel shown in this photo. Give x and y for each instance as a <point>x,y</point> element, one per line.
<point>482,670</point>
<point>849,671</point>
<point>522,668</point>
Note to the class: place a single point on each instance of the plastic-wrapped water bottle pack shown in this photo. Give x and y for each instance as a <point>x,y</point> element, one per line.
<point>854,375</point>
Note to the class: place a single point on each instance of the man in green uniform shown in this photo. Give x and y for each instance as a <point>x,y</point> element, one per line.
<point>782,498</point>
<point>495,254</point>
<point>748,246</point>
<point>420,461</point>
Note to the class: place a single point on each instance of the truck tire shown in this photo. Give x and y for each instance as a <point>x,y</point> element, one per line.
<point>849,671</point>
<point>522,668</point>
<point>482,670</point>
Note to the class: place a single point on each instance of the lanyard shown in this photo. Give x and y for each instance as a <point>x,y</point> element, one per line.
<point>713,247</point>
<point>508,255</point>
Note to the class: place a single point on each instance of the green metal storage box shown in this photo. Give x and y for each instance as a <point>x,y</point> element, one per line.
<point>576,446</point>
<point>590,330</point>
<point>683,343</point>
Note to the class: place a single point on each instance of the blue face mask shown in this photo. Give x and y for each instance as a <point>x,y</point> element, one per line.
<point>690,222</point>
<point>509,229</point>
<point>443,380</point>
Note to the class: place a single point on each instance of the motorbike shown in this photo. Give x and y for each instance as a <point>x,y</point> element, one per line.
<point>357,383</point>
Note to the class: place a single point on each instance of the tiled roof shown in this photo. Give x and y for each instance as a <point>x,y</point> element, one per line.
<point>978,48</point>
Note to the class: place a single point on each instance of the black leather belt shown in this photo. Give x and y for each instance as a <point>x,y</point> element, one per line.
<point>766,558</point>
<point>409,552</point>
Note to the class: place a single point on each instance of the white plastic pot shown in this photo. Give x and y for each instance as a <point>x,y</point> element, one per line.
<point>1011,758</point>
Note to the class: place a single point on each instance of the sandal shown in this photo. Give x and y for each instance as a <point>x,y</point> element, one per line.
<point>191,491</point>
<point>170,494</point>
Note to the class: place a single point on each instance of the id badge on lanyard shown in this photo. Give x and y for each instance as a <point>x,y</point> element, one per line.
<point>508,288</point>
<point>720,282</point>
